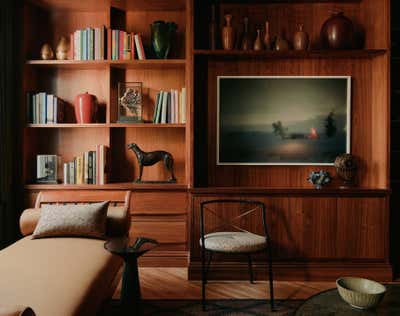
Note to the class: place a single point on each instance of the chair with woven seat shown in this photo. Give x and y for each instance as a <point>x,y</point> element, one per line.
<point>234,242</point>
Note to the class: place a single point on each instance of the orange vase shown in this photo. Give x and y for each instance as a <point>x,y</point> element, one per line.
<point>85,108</point>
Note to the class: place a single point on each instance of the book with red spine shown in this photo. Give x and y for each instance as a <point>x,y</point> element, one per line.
<point>132,46</point>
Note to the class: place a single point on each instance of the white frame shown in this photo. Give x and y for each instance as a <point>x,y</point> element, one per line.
<point>348,140</point>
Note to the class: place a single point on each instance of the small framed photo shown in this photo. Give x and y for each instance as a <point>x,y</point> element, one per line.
<point>47,169</point>
<point>130,105</point>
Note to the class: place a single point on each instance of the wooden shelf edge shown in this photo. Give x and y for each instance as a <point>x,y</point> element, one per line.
<point>107,125</point>
<point>360,53</point>
<point>293,191</point>
<point>109,186</point>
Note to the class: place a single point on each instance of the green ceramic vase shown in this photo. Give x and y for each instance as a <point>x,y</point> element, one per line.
<point>162,36</point>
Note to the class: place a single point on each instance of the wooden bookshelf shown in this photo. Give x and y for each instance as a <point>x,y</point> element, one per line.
<point>105,125</point>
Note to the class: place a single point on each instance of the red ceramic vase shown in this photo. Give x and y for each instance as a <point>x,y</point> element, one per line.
<point>85,108</point>
<point>337,32</point>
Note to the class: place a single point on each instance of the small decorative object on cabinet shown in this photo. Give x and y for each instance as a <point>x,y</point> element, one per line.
<point>212,29</point>
<point>62,49</point>
<point>300,39</point>
<point>46,53</point>
<point>150,158</point>
<point>281,44</point>
<point>346,168</point>
<point>319,178</point>
<point>258,44</point>
<point>47,169</point>
<point>337,32</point>
<point>228,34</point>
<point>267,36</point>
<point>246,40</point>
<point>130,109</point>
<point>162,36</point>
<point>85,108</point>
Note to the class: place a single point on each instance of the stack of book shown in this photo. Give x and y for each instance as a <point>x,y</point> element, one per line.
<point>43,108</point>
<point>88,44</point>
<point>100,43</point>
<point>89,168</point>
<point>170,107</point>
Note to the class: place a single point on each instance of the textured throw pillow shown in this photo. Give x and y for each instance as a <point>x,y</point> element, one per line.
<point>86,220</point>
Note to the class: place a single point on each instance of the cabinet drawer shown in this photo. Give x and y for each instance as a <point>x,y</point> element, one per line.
<point>163,232</point>
<point>152,203</point>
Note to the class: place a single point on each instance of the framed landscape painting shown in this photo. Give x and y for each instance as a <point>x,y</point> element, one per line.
<point>283,120</point>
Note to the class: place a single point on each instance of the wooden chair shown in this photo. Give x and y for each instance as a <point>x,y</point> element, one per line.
<point>239,241</point>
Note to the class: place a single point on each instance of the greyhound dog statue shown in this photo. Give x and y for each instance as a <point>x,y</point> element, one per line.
<point>151,158</point>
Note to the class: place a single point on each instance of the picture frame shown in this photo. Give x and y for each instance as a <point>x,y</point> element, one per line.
<point>268,120</point>
<point>130,102</point>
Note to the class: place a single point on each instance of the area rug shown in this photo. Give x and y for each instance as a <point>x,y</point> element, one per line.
<point>243,307</point>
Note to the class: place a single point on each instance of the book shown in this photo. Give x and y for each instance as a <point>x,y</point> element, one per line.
<point>83,44</point>
<point>90,32</point>
<point>102,42</point>
<point>183,105</point>
<point>79,169</point>
<point>42,106</point>
<point>156,107</point>
<point>90,167</point>
<point>72,175</point>
<point>139,47</point>
<point>49,109</point>
<point>109,44</point>
<point>132,46</point>
<point>163,118</point>
<point>176,119</point>
<point>66,174</point>
<point>168,108</point>
<point>121,45</point>
<point>77,45</point>
<point>85,167</point>
<point>94,170</point>
<point>172,106</point>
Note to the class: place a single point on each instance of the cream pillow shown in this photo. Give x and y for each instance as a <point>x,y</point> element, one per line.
<point>86,220</point>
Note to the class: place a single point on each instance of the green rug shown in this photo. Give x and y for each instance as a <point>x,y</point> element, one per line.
<point>244,307</point>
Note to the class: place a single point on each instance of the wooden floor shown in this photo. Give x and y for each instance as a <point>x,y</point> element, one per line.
<point>172,283</point>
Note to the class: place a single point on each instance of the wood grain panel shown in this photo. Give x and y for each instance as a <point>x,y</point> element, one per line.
<point>164,232</point>
<point>153,203</point>
<point>364,110</point>
<point>124,162</point>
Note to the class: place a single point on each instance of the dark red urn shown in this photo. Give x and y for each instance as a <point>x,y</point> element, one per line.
<point>337,32</point>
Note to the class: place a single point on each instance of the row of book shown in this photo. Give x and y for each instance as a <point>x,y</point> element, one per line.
<point>43,108</point>
<point>170,107</point>
<point>89,168</point>
<point>100,43</point>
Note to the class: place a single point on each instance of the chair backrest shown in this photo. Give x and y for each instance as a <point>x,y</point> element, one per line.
<point>116,198</point>
<point>232,213</point>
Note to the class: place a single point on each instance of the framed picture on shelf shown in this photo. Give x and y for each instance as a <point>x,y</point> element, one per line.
<point>47,169</point>
<point>130,105</point>
<point>300,120</point>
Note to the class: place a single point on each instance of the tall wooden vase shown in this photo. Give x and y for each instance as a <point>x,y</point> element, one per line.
<point>228,34</point>
<point>258,43</point>
<point>267,36</point>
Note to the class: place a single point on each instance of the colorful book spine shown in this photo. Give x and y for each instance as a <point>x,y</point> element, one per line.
<point>121,45</point>
<point>139,47</point>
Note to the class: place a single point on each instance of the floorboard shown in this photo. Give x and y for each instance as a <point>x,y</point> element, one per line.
<point>172,283</point>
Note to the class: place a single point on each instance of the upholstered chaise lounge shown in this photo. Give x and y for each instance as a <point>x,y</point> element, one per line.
<point>63,276</point>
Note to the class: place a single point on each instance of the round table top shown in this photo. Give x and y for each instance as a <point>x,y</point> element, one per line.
<point>330,303</point>
<point>122,246</point>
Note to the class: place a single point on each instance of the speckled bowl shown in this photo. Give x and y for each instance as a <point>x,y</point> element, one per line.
<point>360,293</point>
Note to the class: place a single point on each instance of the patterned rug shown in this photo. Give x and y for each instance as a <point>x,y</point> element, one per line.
<point>244,307</point>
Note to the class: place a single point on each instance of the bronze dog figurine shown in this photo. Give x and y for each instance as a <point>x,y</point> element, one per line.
<point>151,158</point>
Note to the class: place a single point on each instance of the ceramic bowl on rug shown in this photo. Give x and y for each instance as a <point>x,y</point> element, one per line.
<point>360,293</point>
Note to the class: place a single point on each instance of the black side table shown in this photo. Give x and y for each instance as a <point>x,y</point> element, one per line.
<point>130,290</point>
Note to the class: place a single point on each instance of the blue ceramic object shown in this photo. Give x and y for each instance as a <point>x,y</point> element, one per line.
<point>162,35</point>
<point>319,178</point>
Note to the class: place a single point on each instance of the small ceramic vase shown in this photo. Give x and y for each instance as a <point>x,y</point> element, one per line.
<point>281,45</point>
<point>162,37</point>
<point>300,39</point>
<point>62,49</point>
<point>337,32</point>
<point>267,36</point>
<point>228,34</point>
<point>85,105</point>
<point>46,52</point>
<point>258,44</point>
<point>246,40</point>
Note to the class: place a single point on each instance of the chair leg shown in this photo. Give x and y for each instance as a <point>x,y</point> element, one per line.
<point>208,265</point>
<point>250,267</point>
<point>271,279</point>
<point>203,279</point>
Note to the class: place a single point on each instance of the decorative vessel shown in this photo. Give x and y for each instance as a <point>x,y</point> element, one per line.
<point>301,39</point>
<point>319,178</point>
<point>228,34</point>
<point>360,293</point>
<point>337,32</point>
<point>258,44</point>
<point>267,36</point>
<point>281,44</point>
<point>46,53</point>
<point>85,105</point>
<point>346,168</point>
<point>246,39</point>
<point>62,49</point>
<point>162,37</point>
<point>212,29</point>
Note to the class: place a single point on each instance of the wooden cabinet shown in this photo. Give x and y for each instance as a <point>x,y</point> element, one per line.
<point>315,232</point>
